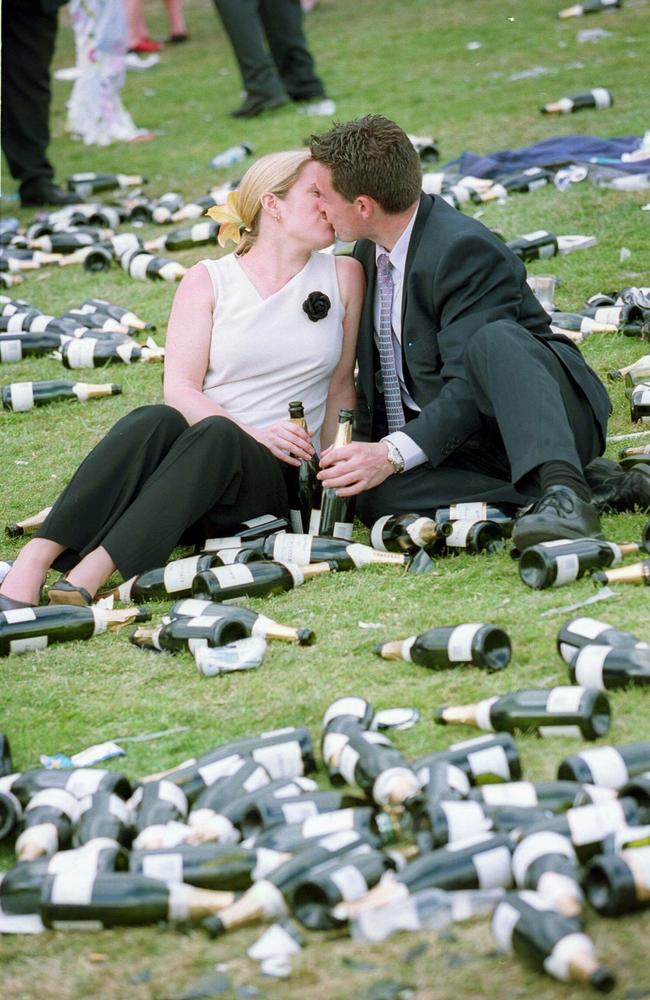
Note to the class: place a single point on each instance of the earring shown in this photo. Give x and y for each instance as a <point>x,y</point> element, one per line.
<point>277,217</point>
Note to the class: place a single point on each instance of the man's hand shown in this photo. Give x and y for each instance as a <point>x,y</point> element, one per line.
<point>355,467</point>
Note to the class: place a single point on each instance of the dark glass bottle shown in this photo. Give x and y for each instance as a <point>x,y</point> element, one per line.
<point>483,760</point>
<point>257,579</point>
<point>589,7</point>
<point>190,634</point>
<point>26,629</point>
<point>256,624</point>
<point>553,795</point>
<point>408,533</point>
<point>16,346</point>
<point>344,878</point>
<point>89,182</point>
<point>120,313</point>
<point>552,564</point>
<point>534,246</point>
<point>588,827</point>
<point>619,883</point>
<point>47,824</point>
<point>636,573</point>
<point>173,580</point>
<point>21,396</point>
<point>256,527</point>
<point>598,97</point>
<point>640,403</point>
<point>610,668</point>
<point>141,265</point>
<point>546,863</point>
<point>304,487</point>
<point>475,537</point>
<point>270,810</point>
<point>302,549</point>
<point>337,513</point>
<point>437,648</point>
<point>581,631</point>
<point>218,811</point>
<point>10,808</point>
<point>103,815</point>
<point>200,234</point>
<point>80,782</point>
<point>607,766</point>
<point>220,867</point>
<point>561,711</point>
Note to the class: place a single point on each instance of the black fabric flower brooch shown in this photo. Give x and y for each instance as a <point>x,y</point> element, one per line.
<point>316,305</point>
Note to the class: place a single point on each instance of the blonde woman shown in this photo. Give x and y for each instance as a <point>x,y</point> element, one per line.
<point>272,322</point>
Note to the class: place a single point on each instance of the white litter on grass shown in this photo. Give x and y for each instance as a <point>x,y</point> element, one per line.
<point>70,73</point>
<point>592,35</point>
<point>644,208</point>
<point>603,595</point>
<point>471,46</point>
<point>526,74</point>
<point>624,254</point>
<point>273,950</point>
<point>369,625</point>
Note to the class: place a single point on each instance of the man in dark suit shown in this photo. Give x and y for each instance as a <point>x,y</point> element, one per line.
<point>28,38</point>
<point>465,390</point>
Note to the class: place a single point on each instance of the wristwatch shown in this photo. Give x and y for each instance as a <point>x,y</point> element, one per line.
<point>394,456</point>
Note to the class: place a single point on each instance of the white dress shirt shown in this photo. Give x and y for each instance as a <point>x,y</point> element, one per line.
<point>410,451</point>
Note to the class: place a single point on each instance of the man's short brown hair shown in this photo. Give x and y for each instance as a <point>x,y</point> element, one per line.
<point>371,156</point>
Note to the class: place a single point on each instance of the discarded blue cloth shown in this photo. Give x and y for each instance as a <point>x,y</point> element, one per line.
<point>556,151</point>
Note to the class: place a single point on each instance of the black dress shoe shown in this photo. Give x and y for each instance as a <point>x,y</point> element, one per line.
<point>48,193</point>
<point>559,513</point>
<point>254,106</point>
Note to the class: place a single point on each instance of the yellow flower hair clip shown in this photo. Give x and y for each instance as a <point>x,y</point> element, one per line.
<point>230,219</point>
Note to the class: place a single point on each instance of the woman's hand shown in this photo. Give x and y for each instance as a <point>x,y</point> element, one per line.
<point>286,440</point>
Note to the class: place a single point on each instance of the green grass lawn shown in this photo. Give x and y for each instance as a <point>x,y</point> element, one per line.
<point>409,61</point>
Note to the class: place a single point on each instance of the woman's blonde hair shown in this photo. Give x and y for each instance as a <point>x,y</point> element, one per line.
<point>276,173</point>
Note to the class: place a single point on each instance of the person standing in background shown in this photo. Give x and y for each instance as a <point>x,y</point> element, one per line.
<point>139,38</point>
<point>28,37</point>
<point>285,71</point>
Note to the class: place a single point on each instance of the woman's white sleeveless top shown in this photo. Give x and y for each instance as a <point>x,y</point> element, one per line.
<point>266,352</point>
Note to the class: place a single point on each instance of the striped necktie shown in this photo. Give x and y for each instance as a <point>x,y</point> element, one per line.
<point>392,393</point>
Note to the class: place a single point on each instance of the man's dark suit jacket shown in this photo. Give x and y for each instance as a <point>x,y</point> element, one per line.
<point>459,277</point>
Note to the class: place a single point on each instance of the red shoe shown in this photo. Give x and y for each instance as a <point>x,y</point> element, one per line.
<point>146,44</point>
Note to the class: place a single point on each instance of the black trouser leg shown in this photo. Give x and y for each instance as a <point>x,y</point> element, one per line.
<point>109,479</point>
<point>212,478</point>
<point>28,37</point>
<point>283,24</point>
<point>541,414</point>
<point>241,19</point>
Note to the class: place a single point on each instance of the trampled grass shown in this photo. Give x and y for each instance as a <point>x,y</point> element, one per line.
<point>409,61</point>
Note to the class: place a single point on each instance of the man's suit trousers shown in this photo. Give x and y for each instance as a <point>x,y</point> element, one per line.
<point>288,69</point>
<point>530,411</point>
<point>153,482</point>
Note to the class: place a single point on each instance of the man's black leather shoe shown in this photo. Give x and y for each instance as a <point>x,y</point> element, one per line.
<point>48,193</point>
<point>254,106</point>
<point>559,513</point>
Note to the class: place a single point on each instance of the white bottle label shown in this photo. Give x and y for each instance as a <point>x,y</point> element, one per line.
<point>407,646</point>
<point>81,352</point>
<point>342,529</point>
<point>266,861</point>
<point>483,720</point>
<point>216,544</point>
<point>14,615</point>
<point>236,575</point>
<point>491,760</point>
<point>281,760</point>
<point>504,921</point>
<point>292,548</point>
<point>588,824</point>
<point>415,530</point>
<point>602,97</point>
<point>558,963</point>
<point>588,666</point>
<point>493,868</point>
<point>138,266</point>
<point>345,706</point>
<point>39,323</point>
<point>28,645</point>
<point>510,793</point>
<point>349,881</point>
<point>56,798</point>
<point>169,792</point>
<point>101,622</point>
<point>347,763</point>
<point>638,860</point>
<point>564,700</point>
<point>81,391</point>
<point>458,537</point>
<point>459,645</point>
<point>568,652</point>
<point>539,234</point>
<point>10,350</point>
<point>191,608</point>
<point>567,568</point>
<point>297,812</point>
<point>464,819</point>
<point>332,746</point>
<point>258,779</point>
<point>608,769</point>
<point>73,888</point>
<point>224,768</point>
<point>537,845</point>
<point>22,396</point>
<point>588,628</point>
<point>314,522</point>
<point>167,867</point>
<point>363,555</point>
<point>376,532</point>
<point>84,782</point>
<point>179,574</point>
<point>340,822</point>
<point>475,511</point>
<point>125,352</point>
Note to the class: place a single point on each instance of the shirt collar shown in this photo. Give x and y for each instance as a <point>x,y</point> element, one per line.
<point>397,255</point>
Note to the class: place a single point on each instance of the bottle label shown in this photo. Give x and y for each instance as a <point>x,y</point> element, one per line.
<point>588,628</point>
<point>588,824</point>
<point>73,889</point>
<point>292,548</point>
<point>15,323</point>
<point>15,615</point>
<point>80,353</point>
<point>490,761</point>
<point>568,652</point>
<point>571,732</point>
<point>349,881</point>
<point>464,819</point>
<point>607,766</point>
<point>166,867</point>
<point>602,97</point>
<point>564,700</point>
<point>415,530</point>
<point>538,845</point>
<point>22,396</point>
<point>296,573</point>
<point>100,620</point>
<point>42,835</point>
<point>314,521</point>
<point>216,544</point>
<point>266,861</point>
<point>510,793</point>
<point>224,768</point>
<point>258,779</point>
<point>475,511</point>
<point>139,264</point>
<point>81,391</point>
<point>588,666</point>
<point>343,529</point>
<point>332,746</point>
<point>169,792</point>
<point>125,352</point>
<point>84,782</point>
<point>554,888</point>
<point>458,536</point>
<point>124,589</point>
<point>407,645</point>
<point>356,707</point>
<point>394,785</point>
<point>281,760</point>
<point>539,234</point>
<point>10,350</point>
<point>200,231</point>
<point>459,645</point>
<point>28,645</point>
<point>179,574</point>
<point>297,812</point>
<point>363,555</point>
<point>638,861</point>
<point>376,539</point>
<point>567,568</point>
<point>483,720</point>
<point>237,575</point>
<point>504,921</point>
<point>347,763</point>
<point>340,823</point>
<point>191,608</point>
<point>493,868</point>
<point>40,323</point>
<point>558,963</point>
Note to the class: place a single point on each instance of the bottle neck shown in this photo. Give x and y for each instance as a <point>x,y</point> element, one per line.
<point>637,573</point>
<point>343,434</point>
